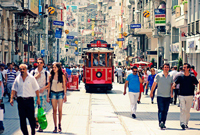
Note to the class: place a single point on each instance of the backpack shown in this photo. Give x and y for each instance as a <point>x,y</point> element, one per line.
<point>45,76</point>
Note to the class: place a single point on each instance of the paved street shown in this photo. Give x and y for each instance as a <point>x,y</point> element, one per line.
<point>106,114</point>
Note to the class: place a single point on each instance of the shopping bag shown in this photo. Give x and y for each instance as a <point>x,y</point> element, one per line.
<point>2,106</point>
<point>197,102</point>
<point>42,120</point>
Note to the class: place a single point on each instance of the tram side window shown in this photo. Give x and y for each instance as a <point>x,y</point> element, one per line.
<point>108,59</point>
<point>95,60</point>
<point>102,60</point>
<point>89,59</point>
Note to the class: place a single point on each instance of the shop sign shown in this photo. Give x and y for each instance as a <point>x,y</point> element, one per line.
<point>160,17</point>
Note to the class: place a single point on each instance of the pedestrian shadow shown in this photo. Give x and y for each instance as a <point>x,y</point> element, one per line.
<point>61,133</point>
<point>151,116</point>
<point>182,129</point>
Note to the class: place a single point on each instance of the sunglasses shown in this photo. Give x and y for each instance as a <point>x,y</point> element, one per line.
<point>40,62</point>
<point>135,71</point>
<point>22,69</point>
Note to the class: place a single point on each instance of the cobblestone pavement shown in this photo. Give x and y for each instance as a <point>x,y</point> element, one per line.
<point>107,114</point>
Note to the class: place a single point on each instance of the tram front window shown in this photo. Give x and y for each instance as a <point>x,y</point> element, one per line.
<point>95,60</point>
<point>102,60</point>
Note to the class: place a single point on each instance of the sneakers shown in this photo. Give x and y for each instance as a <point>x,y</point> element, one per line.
<point>134,116</point>
<point>183,126</point>
<point>162,125</point>
<point>138,102</point>
<point>186,126</point>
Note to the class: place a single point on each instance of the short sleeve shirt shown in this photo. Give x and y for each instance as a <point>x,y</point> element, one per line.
<point>187,84</point>
<point>11,76</point>
<point>133,83</point>
<point>25,88</point>
<point>164,84</point>
<point>151,79</point>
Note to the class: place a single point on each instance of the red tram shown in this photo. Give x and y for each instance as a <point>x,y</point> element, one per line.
<point>98,69</point>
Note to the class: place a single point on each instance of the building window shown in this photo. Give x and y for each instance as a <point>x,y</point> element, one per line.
<point>194,12</point>
<point>199,10</point>
<point>175,35</point>
<point>193,32</point>
<point>149,44</point>
<point>174,2</point>
<point>190,10</point>
<point>189,32</point>
<point>197,27</point>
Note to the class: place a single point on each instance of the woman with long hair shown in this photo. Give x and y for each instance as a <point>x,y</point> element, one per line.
<point>57,93</point>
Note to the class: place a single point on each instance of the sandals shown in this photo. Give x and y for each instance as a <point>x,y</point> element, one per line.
<point>55,130</point>
<point>36,124</point>
<point>40,130</point>
<point>59,128</point>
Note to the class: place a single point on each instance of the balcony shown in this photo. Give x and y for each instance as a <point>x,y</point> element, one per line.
<point>9,4</point>
<point>146,28</point>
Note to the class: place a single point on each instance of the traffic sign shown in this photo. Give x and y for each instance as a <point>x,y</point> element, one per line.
<point>70,37</point>
<point>43,52</point>
<point>58,33</point>
<point>133,26</point>
<point>76,42</point>
<point>114,44</point>
<point>120,39</point>
<point>60,23</point>
<point>73,44</point>
<point>76,53</point>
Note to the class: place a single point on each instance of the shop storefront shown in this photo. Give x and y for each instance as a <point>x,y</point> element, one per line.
<point>193,52</point>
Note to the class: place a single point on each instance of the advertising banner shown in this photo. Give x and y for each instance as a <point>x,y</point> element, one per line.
<point>72,18</point>
<point>34,6</point>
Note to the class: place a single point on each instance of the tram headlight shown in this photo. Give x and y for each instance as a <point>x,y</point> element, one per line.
<point>98,74</point>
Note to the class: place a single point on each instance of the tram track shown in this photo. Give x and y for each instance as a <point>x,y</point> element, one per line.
<point>122,123</point>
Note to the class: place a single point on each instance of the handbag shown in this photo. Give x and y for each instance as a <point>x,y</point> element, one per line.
<point>197,103</point>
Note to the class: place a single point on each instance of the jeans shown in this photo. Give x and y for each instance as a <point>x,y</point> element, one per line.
<point>185,105</point>
<point>57,95</point>
<point>153,93</point>
<point>133,100</point>
<point>163,106</point>
<point>175,95</point>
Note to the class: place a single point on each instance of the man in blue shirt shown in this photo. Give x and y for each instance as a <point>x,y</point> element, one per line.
<point>69,72</point>
<point>150,82</point>
<point>133,82</point>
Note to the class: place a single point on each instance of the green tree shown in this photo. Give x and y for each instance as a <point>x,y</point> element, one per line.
<point>51,60</point>
<point>62,60</point>
<point>180,63</point>
<point>119,63</point>
<point>153,62</point>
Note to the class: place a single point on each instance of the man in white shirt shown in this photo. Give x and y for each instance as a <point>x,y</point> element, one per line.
<point>25,87</point>
<point>42,77</point>
<point>119,73</point>
<point>128,71</point>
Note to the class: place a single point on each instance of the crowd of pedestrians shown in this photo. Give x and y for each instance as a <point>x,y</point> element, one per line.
<point>168,84</point>
<point>33,86</point>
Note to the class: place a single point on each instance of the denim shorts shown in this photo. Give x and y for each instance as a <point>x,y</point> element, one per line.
<point>57,95</point>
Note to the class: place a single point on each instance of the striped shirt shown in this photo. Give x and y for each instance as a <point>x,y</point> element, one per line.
<point>11,76</point>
